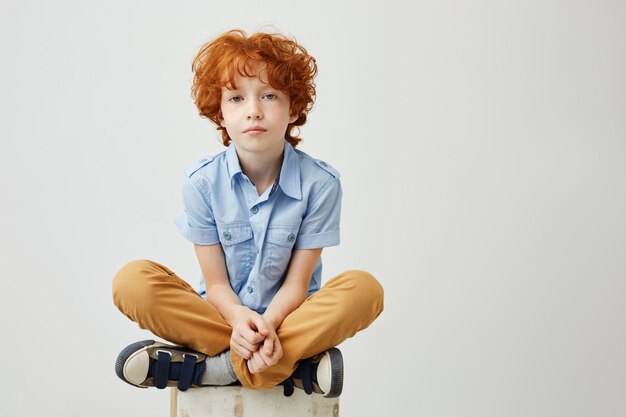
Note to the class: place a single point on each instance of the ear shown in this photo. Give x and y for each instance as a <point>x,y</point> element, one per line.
<point>220,118</point>
<point>293,118</point>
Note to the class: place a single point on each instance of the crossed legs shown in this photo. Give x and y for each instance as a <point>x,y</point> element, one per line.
<point>158,300</point>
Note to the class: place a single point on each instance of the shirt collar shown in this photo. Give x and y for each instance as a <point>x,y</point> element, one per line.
<point>289,180</point>
<point>232,162</point>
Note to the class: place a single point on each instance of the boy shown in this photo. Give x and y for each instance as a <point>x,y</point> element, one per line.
<point>259,215</point>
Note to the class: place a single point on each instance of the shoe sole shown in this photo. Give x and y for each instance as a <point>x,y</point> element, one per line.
<point>336,370</point>
<point>126,354</point>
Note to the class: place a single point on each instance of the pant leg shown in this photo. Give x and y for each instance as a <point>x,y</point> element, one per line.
<point>158,300</point>
<point>348,303</point>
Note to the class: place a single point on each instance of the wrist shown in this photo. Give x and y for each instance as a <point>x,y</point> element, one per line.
<point>234,313</point>
<point>273,321</point>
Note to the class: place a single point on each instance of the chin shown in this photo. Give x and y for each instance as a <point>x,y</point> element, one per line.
<point>258,144</point>
<point>251,145</point>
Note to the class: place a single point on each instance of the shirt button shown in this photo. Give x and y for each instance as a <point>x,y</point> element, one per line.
<point>227,236</point>
<point>249,289</point>
<point>291,237</point>
<point>323,163</point>
<point>254,210</point>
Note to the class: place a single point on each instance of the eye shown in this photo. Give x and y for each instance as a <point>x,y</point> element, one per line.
<point>271,96</point>
<point>235,99</point>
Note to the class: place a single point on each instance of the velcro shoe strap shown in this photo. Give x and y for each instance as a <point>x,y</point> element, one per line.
<point>162,368</point>
<point>186,373</point>
<point>305,373</point>
<point>288,387</point>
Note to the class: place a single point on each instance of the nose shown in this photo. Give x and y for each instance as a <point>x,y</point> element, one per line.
<point>254,110</point>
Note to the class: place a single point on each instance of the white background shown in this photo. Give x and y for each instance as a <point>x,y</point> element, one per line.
<point>482,151</point>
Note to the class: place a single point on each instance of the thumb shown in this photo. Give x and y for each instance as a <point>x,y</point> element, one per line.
<point>268,346</point>
<point>260,325</point>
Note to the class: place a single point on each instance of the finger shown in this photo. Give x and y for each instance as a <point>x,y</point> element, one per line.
<point>245,342</point>
<point>268,360</point>
<point>260,325</point>
<point>247,337</point>
<point>278,351</point>
<point>252,337</point>
<point>277,348</point>
<point>272,358</point>
<point>244,353</point>
<point>241,351</point>
<point>262,361</point>
<point>268,346</point>
<point>257,362</point>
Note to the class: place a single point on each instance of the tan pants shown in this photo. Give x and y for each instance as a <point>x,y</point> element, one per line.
<point>158,300</point>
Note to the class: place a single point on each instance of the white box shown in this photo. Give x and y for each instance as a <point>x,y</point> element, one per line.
<point>237,401</point>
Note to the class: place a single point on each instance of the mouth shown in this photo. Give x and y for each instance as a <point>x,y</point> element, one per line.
<point>254,129</point>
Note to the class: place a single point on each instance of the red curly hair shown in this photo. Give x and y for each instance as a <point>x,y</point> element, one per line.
<point>289,68</point>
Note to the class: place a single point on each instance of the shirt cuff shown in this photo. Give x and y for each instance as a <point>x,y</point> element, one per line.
<point>318,240</point>
<point>199,236</point>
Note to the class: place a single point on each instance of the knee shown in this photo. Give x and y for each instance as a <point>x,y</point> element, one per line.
<point>369,290</point>
<point>130,282</point>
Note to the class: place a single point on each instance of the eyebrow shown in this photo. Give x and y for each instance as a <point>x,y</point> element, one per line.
<point>267,87</point>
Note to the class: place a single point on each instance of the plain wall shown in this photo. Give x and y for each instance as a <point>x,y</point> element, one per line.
<point>482,151</point>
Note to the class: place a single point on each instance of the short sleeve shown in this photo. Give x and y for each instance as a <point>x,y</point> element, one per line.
<point>196,222</point>
<point>320,226</point>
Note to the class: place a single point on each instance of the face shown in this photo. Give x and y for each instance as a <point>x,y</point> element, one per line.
<point>255,115</point>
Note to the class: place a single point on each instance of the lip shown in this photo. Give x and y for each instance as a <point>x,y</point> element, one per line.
<point>254,129</point>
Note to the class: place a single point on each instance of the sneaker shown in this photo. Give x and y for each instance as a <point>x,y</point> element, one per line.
<point>154,364</point>
<point>322,374</point>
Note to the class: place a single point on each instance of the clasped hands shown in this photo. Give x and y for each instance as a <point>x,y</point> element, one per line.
<point>254,338</point>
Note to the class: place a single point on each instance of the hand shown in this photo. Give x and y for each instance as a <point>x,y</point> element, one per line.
<point>268,354</point>
<point>249,332</point>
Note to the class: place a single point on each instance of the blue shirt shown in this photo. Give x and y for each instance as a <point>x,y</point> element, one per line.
<point>258,233</point>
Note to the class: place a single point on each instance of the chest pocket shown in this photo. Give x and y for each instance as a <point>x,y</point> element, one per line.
<point>238,245</point>
<point>280,241</point>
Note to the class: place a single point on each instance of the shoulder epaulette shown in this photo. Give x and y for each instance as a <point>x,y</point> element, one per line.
<point>326,167</point>
<point>199,165</point>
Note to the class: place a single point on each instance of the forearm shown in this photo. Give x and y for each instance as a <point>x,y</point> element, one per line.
<point>219,293</point>
<point>295,289</point>
<point>286,300</point>
<point>224,299</point>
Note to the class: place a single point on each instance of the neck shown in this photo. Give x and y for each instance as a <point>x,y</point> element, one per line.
<point>261,168</point>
